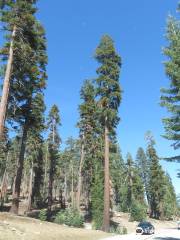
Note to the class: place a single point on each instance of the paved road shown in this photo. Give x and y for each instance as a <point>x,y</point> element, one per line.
<point>163,234</point>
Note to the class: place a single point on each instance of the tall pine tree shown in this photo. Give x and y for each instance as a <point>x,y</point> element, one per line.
<point>143,166</point>
<point>109,98</point>
<point>156,184</point>
<point>171,97</point>
<point>53,147</point>
<point>28,74</point>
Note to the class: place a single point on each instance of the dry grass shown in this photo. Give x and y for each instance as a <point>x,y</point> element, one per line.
<point>123,220</point>
<point>22,228</point>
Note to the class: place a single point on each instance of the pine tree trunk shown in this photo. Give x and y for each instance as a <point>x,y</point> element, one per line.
<point>30,190</point>
<point>18,177</point>
<point>50,187</point>
<point>6,84</point>
<point>24,182</point>
<point>72,187</point>
<point>106,216</point>
<point>4,184</point>
<point>45,172</point>
<point>38,179</point>
<point>80,178</point>
<point>65,188</point>
<point>131,188</point>
<point>55,191</point>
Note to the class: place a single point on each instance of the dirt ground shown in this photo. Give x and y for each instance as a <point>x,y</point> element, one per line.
<point>22,228</point>
<point>123,220</point>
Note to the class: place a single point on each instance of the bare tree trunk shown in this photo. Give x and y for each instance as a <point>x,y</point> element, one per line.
<point>4,184</point>
<point>130,190</point>
<point>6,84</point>
<point>30,190</point>
<point>38,179</point>
<point>50,188</point>
<point>18,177</point>
<point>55,190</point>
<point>24,185</point>
<point>45,171</point>
<point>78,200</point>
<point>106,216</point>
<point>65,188</point>
<point>72,187</point>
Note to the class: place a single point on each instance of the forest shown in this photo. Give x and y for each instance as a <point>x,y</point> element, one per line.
<point>87,179</point>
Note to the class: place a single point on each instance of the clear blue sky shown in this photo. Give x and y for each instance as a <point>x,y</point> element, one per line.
<point>74,29</point>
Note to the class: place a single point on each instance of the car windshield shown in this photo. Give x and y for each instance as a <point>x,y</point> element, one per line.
<point>145,224</point>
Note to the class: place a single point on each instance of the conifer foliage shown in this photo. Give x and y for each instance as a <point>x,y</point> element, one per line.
<point>171,96</point>
<point>159,184</point>
<point>143,168</point>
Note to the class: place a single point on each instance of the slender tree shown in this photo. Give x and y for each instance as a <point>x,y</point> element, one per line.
<point>5,14</point>
<point>135,190</point>
<point>169,202</point>
<point>53,147</point>
<point>143,166</point>
<point>28,75</point>
<point>34,149</point>
<point>130,176</point>
<point>87,127</point>
<point>109,98</point>
<point>91,141</point>
<point>156,185</point>
<point>68,168</point>
<point>117,172</point>
<point>171,97</point>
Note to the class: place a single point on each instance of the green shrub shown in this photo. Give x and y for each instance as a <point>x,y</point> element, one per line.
<point>124,230</point>
<point>60,217</point>
<point>70,217</point>
<point>137,212</point>
<point>43,215</point>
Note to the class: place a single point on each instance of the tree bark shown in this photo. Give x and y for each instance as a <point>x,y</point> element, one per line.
<point>65,188</point>
<point>30,190</point>
<point>50,187</point>
<point>72,187</point>
<point>38,179</point>
<point>6,85</point>
<point>78,200</point>
<point>106,216</point>
<point>4,184</point>
<point>45,172</point>
<point>18,177</point>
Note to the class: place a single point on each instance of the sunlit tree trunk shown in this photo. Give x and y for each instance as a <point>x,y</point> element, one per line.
<point>18,177</point>
<point>78,200</point>
<point>72,187</point>
<point>6,85</point>
<point>4,185</point>
<point>65,187</point>
<point>45,172</point>
<point>30,190</point>
<point>50,187</point>
<point>106,217</point>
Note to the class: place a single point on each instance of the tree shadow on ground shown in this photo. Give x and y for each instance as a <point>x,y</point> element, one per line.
<point>5,208</point>
<point>166,238</point>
